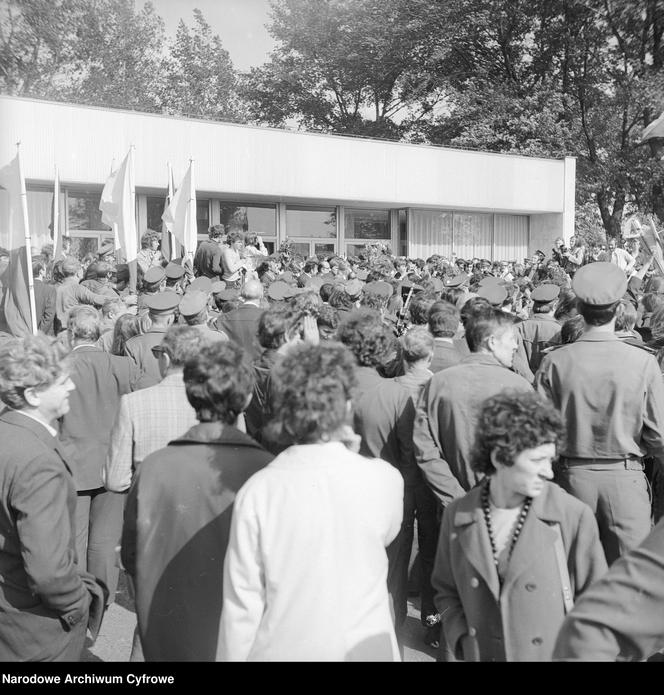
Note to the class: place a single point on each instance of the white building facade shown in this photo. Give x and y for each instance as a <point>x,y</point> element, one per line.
<point>325,193</point>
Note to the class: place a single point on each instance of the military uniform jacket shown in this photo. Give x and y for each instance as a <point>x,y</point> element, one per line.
<point>611,395</point>
<point>537,333</point>
<point>177,522</point>
<point>139,348</point>
<point>42,595</point>
<point>520,621</point>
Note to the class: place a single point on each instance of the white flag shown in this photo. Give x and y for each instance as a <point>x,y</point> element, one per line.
<point>118,207</point>
<point>180,215</point>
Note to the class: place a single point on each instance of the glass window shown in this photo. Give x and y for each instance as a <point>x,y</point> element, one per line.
<point>80,245</point>
<point>367,224</point>
<point>473,235</point>
<point>302,249</point>
<point>84,212</point>
<point>323,248</point>
<point>429,232</point>
<point>155,211</point>
<point>318,222</point>
<point>261,219</point>
<point>203,216</point>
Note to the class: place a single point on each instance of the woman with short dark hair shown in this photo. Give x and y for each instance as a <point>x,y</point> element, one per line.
<point>305,576</point>
<point>515,551</point>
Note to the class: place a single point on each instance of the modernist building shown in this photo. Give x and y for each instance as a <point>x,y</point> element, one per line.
<point>324,192</point>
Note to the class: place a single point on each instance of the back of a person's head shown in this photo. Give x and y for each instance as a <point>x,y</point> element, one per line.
<point>340,299</point>
<point>655,284</point>
<point>325,291</point>
<point>182,343</point>
<point>652,301</point>
<point>443,320</point>
<point>416,344</point>
<point>481,325</point>
<point>475,306</point>
<point>217,379</point>
<point>568,304</point>
<point>252,290</point>
<point>312,387</point>
<point>70,266</point>
<point>328,322</point>
<point>83,324</point>
<point>625,316</point>
<point>419,306</point>
<point>367,337</point>
<point>126,327</point>
<point>113,306</point>
<point>275,324</point>
<point>572,329</point>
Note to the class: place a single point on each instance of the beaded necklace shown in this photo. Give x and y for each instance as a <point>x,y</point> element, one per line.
<point>486,508</point>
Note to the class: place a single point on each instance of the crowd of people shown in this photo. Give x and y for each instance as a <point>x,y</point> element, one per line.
<point>279,450</point>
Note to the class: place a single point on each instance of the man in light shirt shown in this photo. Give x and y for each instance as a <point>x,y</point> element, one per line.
<point>623,259</point>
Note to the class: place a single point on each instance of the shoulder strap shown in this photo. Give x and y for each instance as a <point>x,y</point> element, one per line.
<point>562,569</point>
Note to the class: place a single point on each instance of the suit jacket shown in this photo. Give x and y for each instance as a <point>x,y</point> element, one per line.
<point>520,621</point>
<point>100,379</point>
<point>241,326</point>
<point>445,355</point>
<point>177,523</point>
<point>42,595</point>
<point>45,306</point>
<point>207,260</point>
<point>621,614</point>
<point>147,420</point>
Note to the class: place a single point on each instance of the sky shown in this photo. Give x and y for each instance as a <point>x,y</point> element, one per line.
<point>239,23</point>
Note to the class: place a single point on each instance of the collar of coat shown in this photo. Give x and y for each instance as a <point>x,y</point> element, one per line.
<point>468,520</point>
<point>216,433</point>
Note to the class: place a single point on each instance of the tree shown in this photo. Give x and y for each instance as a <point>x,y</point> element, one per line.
<point>199,76</point>
<point>346,66</point>
<point>37,39</point>
<point>118,56</point>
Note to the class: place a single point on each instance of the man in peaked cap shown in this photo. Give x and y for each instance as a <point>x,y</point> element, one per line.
<point>539,330</point>
<point>611,396</point>
<point>200,284</point>
<point>154,282</point>
<point>174,274</point>
<point>161,308</point>
<point>193,309</point>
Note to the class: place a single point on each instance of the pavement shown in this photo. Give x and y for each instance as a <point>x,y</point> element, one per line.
<point>117,630</point>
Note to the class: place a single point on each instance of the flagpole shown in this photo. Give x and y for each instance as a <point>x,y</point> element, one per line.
<point>133,265</point>
<point>28,248</point>
<point>57,243</point>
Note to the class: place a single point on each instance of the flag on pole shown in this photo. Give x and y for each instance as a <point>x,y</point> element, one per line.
<point>118,207</point>
<point>654,129</point>
<point>171,248</point>
<point>56,232</point>
<point>18,302</point>
<point>180,215</point>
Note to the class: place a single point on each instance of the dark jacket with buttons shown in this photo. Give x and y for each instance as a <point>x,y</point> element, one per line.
<point>42,592</point>
<point>520,621</point>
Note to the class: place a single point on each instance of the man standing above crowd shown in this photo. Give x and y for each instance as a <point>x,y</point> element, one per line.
<point>611,396</point>
<point>207,261</point>
<point>623,259</point>
<point>70,293</point>
<point>149,256</point>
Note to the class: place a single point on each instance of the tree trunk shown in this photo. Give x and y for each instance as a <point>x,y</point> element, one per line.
<point>611,219</point>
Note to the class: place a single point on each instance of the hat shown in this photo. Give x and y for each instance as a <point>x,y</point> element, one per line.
<point>217,287</point>
<point>174,271</point>
<point>599,284</point>
<point>292,290</point>
<point>200,284</point>
<point>455,281</point>
<point>278,290</point>
<point>154,275</point>
<point>193,303</point>
<point>545,293</point>
<point>379,287</point>
<point>287,276</point>
<point>354,288</point>
<point>491,281</point>
<point>438,285</point>
<point>361,273</point>
<point>493,293</point>
<point>226,295</point>
<point>162,302</point>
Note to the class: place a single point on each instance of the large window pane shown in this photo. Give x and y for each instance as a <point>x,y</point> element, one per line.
<point>302,249</point>
<point>203,216</point>
<point>84,213</point>
<point>155,211</point>
<point>316,222</point>
<point>473,235</point>
<point>261,219</point>
<point>367,224</point>
<point>430,231</point>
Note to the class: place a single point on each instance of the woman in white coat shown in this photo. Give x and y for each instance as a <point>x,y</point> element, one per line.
<point>306,569</point>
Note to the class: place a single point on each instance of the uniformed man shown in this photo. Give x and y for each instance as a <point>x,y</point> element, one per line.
<point>154,282</point>
<point>611,395</point>
<point>541,328</point>
<point>193,309</point>
<point>161,307</point>
<point>174,277</point>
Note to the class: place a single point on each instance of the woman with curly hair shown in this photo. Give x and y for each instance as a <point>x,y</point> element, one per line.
<point>516,550</point>
<point>306,568</point>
